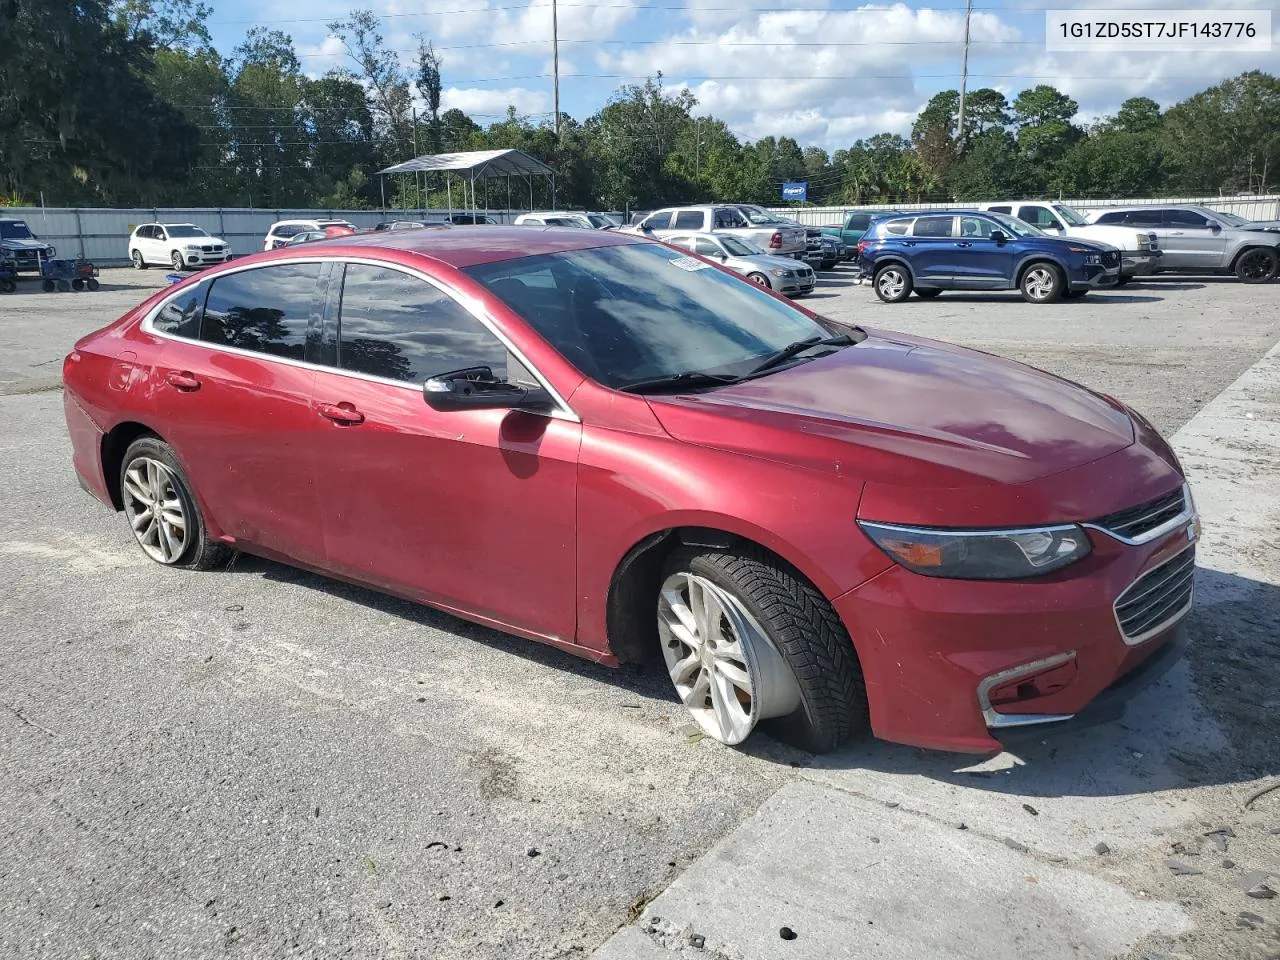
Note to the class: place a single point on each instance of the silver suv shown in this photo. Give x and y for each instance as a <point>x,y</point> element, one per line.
<point>759,226</point>
<point>1197,239</point>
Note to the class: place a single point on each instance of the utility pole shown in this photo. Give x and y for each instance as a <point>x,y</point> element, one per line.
<point>555,64</point>
<point>964,73</point>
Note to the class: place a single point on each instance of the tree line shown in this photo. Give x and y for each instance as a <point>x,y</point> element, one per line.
<point>126,102</point>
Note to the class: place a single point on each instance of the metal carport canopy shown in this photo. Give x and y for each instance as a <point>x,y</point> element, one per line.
<point>476,163</point>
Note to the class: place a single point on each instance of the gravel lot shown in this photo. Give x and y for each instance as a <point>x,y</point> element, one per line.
<point>265,763</point>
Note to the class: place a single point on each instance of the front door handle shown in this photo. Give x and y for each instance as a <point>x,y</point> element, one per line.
<point>185,381</point>
<point>964,243</point>
<point>343,414</point>
<point>908,243</point>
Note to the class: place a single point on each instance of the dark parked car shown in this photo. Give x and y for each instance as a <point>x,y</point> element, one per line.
<point>615,447</point>
<point>970,250</point>
<point>855,224</point>
<point>23,247</point>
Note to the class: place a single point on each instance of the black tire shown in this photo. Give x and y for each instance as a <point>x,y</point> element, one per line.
<point>175,258</point>
<point>1075,294</point>
<point>199,551</point>
<point>77,284</point>
<point>64,286</point>
<point>1123,279</point>
<point>92,283</point>
<point>892,283</point>
<point>928,294</point>
<point>7,286</point>
<point>48,286</point>
<point>1042,282</point>
<point>138,262</point>
<point>804,629</point>
<point>760,279</point>
<point>1257,265</point>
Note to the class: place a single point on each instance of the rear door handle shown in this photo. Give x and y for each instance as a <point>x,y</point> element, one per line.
<point>185,381</point>
<point>964,243</point>
<point>909,243</point>
<point>343,414</point>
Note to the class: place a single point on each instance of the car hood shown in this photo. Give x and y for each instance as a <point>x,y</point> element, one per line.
<point>23,244</point>
<point>1061,243</point>
<point>906,411</point>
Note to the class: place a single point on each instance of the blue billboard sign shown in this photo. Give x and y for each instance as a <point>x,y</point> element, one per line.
<point>795,190</point>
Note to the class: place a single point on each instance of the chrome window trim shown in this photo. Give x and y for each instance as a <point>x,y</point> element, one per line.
<point>1170,621</point>
<point>1187,515</point>
<point>562,410</point>
<point>996,720</point>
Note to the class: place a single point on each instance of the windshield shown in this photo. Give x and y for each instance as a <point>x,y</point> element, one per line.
<point>738,247</point>
<point>1018,228</point>
<point>760,217</point>
<point>184,230</point>
<point>1073,216</point>
<point>1230,219</point>
<point>623,314</point>
<point>14,230</point>
<point>600,221</point>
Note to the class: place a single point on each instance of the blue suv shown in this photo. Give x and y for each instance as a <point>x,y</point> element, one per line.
<point>971,250</point>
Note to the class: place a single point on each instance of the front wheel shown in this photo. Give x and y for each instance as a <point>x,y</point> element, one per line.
<point>176,260</point>
<point>746,640</point>
<point>92,283</point>
<point>1257,265</point>
<point>1042,283</point>
<point>760,279</point>
<point>892,283</point>
<point>161,510</point>
<point>138,262</point>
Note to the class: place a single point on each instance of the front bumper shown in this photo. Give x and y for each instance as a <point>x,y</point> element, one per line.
<point>1140,263</point>
<point>200,258</point>
<point>1093,276</point>
<point>928,644</point>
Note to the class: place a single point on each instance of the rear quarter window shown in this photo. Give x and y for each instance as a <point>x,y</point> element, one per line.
<point>897,228</point>
<point>180,317</point>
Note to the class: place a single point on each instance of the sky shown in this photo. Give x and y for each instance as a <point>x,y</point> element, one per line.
<point>826,72</point>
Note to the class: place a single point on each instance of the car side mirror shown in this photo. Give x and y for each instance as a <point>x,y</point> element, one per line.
<point>999,236</point>
<point>476,388</point>
<point>1216,227</point>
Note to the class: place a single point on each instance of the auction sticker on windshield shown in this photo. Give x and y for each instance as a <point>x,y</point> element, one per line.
<point>1161,31</point>
<point>689,263</point>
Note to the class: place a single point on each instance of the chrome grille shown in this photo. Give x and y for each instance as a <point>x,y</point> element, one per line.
<point>1133,522</point>
<point>1111,258</point>
<point>1157,599</point>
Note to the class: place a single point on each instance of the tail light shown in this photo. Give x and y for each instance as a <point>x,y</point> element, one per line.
<point>775,242</point>
<point>862,245</point>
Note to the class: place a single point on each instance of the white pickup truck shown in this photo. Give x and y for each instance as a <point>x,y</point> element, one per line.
<point>1140,252</point>
<point>775,235</point>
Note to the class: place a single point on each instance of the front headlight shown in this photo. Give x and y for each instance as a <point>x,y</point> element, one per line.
<point>50,252</point>
<point>779,273</point>
<point>980,554</point>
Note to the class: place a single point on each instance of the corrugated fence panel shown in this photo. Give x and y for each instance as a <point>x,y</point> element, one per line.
<point>1250,208</point>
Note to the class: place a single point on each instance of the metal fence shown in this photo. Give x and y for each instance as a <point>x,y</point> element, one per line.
<point>1250,208</point>
<point>102,234</point>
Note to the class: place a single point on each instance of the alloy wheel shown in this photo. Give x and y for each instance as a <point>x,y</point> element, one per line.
<point>891,283</point>
<point>1040,283</point>
<point>1255,265</point>
<point>723,665</point>
<point>154,507</point>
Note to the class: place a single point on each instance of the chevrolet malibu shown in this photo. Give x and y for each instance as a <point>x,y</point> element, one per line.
<point>598,442</point>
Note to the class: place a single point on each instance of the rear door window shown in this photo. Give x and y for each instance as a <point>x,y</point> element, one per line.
<point>398,327</point>
<point>688,220</point>
<point>266,310</point>
<point>859,221</point>
<point>932,227</point>
<point>180,317</point>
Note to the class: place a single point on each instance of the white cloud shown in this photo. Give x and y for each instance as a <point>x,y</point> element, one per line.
<point>489,103</point>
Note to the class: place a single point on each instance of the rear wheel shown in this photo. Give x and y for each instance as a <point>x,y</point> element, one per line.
<point>1042,283</point>
<point>7,286</point>
<point>77,284</point>
<point>928,294</point>
<point>892,283</point>
<point>48,286</point>
<point>746,640</point>
<point>761,279</point>
<point>64,286</point>
<point>1257,265</point>
<point>162,511</point>
<point>138,262</point>
<point>92,283</point>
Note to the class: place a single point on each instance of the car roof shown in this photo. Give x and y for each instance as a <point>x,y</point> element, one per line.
<point>467,246</point>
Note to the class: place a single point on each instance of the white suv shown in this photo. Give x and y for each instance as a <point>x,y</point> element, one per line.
<point>1140,253</point>
<point>282,230</point>
<point>179,245</point>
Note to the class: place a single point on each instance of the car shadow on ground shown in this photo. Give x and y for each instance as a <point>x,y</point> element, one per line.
<point>1011,296</point>
<point>1200,724</point>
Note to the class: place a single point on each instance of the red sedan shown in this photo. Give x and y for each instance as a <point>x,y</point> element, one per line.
<point>599,442</point>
